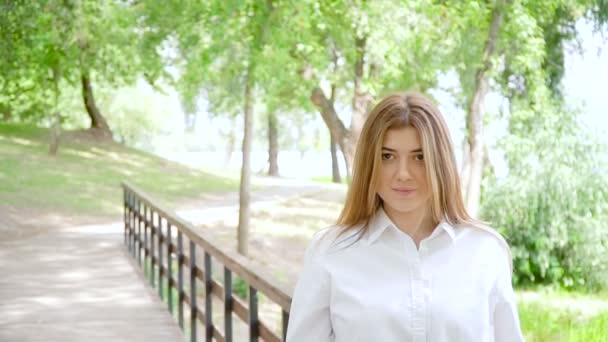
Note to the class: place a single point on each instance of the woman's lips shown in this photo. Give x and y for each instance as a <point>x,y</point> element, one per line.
<point>404,191</point>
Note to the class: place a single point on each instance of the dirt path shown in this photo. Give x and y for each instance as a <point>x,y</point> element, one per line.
<point>20,223</point>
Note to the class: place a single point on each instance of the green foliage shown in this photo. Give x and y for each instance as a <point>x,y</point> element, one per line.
<point>553,204</point>
<point>48,41</point>
<point>405,43</point>
<point>240,288</point>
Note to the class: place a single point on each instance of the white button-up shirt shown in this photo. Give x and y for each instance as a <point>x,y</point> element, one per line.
<point>455,287</point>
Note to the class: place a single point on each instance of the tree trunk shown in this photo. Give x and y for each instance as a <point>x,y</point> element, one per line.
<point>6,111</point>
<point>56,120</point>
<point>98,122</point>
<point>473,161</point>
<point>335,168</point>
<point>361,98</point>
<point>260,37</point>
<point>244,191</point>
<point>273,145</point>
<point>230,144</point>
<point>55,132</point>
<point>341,135</point>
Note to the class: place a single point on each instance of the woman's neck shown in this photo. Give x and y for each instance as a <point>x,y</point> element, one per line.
<point>418,224</point>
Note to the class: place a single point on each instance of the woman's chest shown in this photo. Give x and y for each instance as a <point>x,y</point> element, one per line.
<point>408,295</point>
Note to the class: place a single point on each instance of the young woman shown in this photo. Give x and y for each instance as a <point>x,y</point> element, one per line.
<point>405,262</point>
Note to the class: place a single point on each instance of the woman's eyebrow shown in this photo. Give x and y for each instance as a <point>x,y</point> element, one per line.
<point>418,150</point>
<point>389,149</point>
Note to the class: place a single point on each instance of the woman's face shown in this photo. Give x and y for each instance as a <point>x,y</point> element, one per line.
<point>403,186</point>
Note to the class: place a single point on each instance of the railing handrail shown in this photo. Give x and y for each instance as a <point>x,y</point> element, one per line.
<point>142,233</point>
<point>237,263</point>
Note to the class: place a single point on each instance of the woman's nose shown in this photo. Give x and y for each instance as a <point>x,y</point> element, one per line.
<point>403,173</point>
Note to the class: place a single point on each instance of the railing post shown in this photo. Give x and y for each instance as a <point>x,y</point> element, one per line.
<point>208,299</point>
<point>124,213</point>
<point>139,240</point>
<point>132,224</point>
<point>128,219</point>
<point>192,291</point>
<point>169,240</point>
<point>227,304</point>
<point>159,235</point>
<point>254,332</point>
<point>152,249</point>
<point>180,279</point>
<point>146,248</point>
<point>285,322</point>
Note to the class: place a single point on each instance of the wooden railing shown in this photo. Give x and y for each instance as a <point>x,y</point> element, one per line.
<point>155,238</point>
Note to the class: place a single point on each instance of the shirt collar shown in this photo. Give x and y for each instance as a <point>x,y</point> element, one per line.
<point>378,223</point>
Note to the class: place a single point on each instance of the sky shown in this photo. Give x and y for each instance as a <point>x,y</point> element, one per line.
<point>586,78</point>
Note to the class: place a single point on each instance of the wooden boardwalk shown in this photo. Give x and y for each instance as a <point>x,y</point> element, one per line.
<point>78,284</point>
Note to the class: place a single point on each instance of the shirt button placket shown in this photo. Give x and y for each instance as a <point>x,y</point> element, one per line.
<point>418,302</point>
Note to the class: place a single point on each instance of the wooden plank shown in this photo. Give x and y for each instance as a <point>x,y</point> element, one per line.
<point>78,284</point>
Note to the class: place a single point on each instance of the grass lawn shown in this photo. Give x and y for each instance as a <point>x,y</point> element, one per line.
<point>85,176</point>
<point>542,324</point>
<point>555,315</point>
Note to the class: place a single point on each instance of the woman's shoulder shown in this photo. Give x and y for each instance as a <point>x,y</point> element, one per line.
<point>485,237</point>
<point>334,238</point>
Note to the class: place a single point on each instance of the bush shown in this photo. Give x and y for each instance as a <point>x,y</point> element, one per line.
<point>552,207</point>
<point>555,222</point>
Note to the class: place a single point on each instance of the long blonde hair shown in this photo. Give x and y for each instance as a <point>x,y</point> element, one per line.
<point>397,111</point>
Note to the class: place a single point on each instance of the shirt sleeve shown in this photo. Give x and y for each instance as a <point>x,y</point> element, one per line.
<point>309,318</point>
<point>506,317</point>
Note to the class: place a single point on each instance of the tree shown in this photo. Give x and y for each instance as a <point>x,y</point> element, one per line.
<point>373,59</point>
<point>550,206</point>
<point>92,42</point>
<point>522,54</point>
<point>36,42</point>
<point>258,28</point>
<point>222,43</point>
<point>474,148</point>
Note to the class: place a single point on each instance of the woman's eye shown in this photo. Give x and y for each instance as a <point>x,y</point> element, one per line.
<point>419,157</point>
<point>387,156</point>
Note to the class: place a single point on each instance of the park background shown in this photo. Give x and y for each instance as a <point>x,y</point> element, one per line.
<point>219,106</point>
